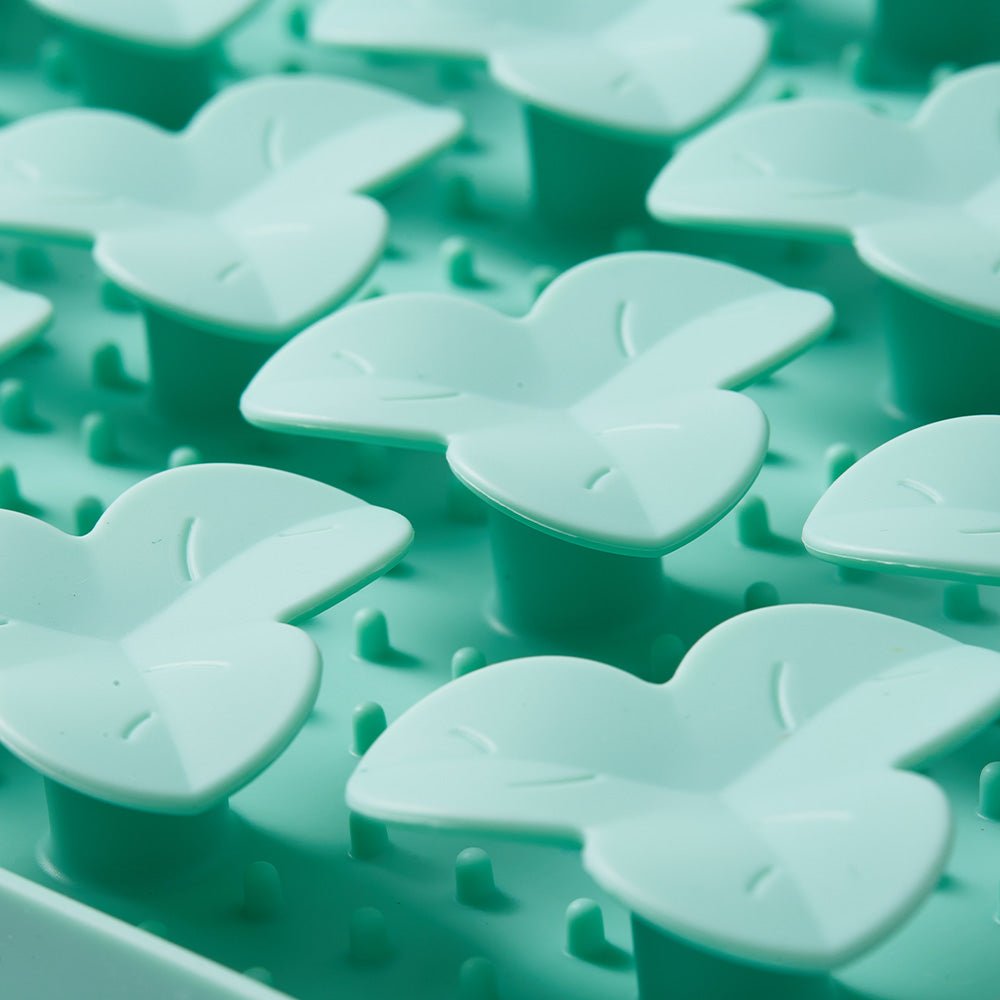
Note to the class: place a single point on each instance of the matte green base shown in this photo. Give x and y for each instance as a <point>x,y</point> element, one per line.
<point>941,364</point>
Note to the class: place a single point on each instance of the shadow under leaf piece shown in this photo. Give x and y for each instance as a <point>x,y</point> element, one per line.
<point>23,32</point>
<point>232,234</point>
<point>920,200</point>
<point>908,41</point>
<point>761,839</point>
<point>587,425</point>
<point>149,670</point>
<point>23,318</point>
<point>112,959</point>
<point>607,87</point>
<point>927,503</point>
<point>159,60</point>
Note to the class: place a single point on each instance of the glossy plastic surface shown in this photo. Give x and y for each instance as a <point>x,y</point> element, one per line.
<point>768,825</point>
<point>162,630</point>
<point>926,503</point>
<point>588,418</point>
<point>238,223</point>
<point>654,68</point>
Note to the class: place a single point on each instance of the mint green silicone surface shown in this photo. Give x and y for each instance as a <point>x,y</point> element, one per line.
<point>254,252</point>
<point>769,825</point>
<point>578,418</point>
<point>901,190</point>
<point>166,24</point>
<point>161,629</point>
<point>926,503</point>
<point>23,317</point>
<point>99,956</point>
<point>300,893</point>
<point>648,67</point>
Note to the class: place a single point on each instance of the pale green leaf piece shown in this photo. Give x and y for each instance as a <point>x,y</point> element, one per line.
<point>176,25</point>
<point>927,503</point>
<point>150,663</point>
<point>901,191</point>
<point>23,318</point>
<point>605,416</point>
<point>252,221</point>
<point>758,805</point>
<point>657,68</point>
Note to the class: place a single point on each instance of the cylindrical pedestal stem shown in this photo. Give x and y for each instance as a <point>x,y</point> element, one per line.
<point>196,374</point>
<point>942,364</point>
<point>912,37</point>
<point>586,181</point>
<point>95,841</point>
<point>670,969</point>
<point>548,586</point>
<point>23,31</point>
<point>159,85</point>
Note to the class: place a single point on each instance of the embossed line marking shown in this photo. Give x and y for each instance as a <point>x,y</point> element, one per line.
<point>189,567</point>
<point>136,725</point>
<point>779,696</point>
<point>480,741</point>
<point>623,329</point>
<point>758,883</point>
<point>922,488</point>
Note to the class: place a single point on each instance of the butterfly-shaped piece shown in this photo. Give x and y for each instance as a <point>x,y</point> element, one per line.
<point>759,804</point>
<point>151,663</point>
<point>655,68</point>
<point>604,416</point>
<point>252,221</point>
<point>920,200</point>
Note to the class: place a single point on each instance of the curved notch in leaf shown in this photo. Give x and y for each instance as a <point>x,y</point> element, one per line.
<point>590,418</point>
<point>23,318</point>
<point>149,663</point>
<point>166,24</point>
<point>752,805</point>
<point>927,503</point>
<point>646,67</point>
<point>250,221</point>
<point>904,192</point>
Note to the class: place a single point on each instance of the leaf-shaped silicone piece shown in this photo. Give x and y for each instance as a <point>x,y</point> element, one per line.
<point>147,663</point>
<point>589,417</point>
<point>809,166</point>
<point>115,960</point>
<point>901,190</point>
<point>908,252</point>
<point>926,503</point>
<point>253,219</point>
<point>23,317</point>
<point>166,24</point>
<point>639,77</point>
<point>639,475</point>
<point>471,30</point>
<point>647,67</point>
<point>751,805</point>
<point>261,278</point>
